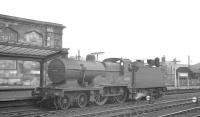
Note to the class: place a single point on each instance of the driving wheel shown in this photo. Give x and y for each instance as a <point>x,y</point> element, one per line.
<point>100,100</point>
<point>122,97</point>
<point>82,100</point>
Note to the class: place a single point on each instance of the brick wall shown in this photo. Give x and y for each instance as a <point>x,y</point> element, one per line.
<point>40,34</point>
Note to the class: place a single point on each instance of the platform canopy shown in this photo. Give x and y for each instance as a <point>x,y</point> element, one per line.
<point>21,51</point>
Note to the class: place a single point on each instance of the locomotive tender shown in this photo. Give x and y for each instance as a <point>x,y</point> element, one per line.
<point>78,82</point>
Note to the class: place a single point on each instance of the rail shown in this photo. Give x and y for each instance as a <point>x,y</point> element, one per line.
<point>131,110</point>
<point>114,112</point>
<point>183,112</point>
<point>137,110</point>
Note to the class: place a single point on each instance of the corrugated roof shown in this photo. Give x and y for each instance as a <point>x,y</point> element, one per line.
<point>11,50</point>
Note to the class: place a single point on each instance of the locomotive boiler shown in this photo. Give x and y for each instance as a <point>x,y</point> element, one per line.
<point>75,82</point>
<point>75,73</point>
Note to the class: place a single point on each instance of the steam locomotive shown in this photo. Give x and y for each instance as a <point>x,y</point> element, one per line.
<point>76,82</point>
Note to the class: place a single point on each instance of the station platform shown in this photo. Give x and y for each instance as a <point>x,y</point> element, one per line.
<point>10,93</point>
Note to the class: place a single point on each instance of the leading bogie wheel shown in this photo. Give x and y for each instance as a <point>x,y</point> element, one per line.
<point>82,100</point>
<point>56,101</point>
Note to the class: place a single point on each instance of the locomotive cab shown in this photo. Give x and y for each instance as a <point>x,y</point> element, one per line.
<point>119,70</point>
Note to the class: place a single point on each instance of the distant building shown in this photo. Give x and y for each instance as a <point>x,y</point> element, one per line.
<point>181,75</point>
<point>171,66</point>
<point>184,76</point>
<point>188,76</point>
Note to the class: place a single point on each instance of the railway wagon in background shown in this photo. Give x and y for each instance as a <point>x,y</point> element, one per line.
<point>76,82</point>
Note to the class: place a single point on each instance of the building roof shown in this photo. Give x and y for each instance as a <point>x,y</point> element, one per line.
<point>196,65</point>
<point>195,68</point>
<point>20,51</point>
<point>7,17</point>
<point>188,69</point>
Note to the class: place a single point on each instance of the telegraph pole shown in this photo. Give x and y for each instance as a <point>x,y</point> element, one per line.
<point>97,54</point>
<point>188,81</point>
<point>175,79</point>
<point>188,61</point>
<point>79,55</point>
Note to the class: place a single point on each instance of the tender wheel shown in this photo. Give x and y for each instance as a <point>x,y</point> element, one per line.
<point>82,100</point>
<point>65,102</point>
<point>162,93</point>
<point>151,94</point>
<point>100,100</point>
<point>159,94</point>
<point>122,98</point>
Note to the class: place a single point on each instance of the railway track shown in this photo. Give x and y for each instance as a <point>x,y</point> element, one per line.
<point>131,111</point>
<point>191,112</point>
<point>17,112</point>
<point>27,110</point>
<point>139,108</point>
<point>114,112</point>
<point>27,113</point>
<point>128,111</point>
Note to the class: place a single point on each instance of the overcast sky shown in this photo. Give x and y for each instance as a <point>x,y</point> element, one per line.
<point>137,29</point>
